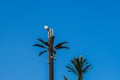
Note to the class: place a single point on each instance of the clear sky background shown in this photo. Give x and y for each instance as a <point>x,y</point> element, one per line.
<point>92,28</point>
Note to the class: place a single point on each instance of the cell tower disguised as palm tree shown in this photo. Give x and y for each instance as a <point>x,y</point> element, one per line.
<point>51,49</point>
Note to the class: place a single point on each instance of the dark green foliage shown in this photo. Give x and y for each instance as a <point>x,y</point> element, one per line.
<point>65,78</point>
<point>79,66</point>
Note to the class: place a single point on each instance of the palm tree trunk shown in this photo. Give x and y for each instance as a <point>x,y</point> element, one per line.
<point>79,78</point>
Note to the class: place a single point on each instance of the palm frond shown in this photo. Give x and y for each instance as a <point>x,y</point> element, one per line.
<point>60,44</point>
<point>39,45</point>
<point>75,63</point>
<point>86,68</point>
<point>42,41</point>
<point>65,78</point>
<point>71,69</point>
<point>81,59</point>
<point>84,62</point>
<point>42,52</point>
<point>62,47</point>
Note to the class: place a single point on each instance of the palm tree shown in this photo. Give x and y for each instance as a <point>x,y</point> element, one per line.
<point>79,67</point>
<point>45,45</point>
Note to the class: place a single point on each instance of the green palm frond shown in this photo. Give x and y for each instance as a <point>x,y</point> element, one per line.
<point>65,78</point>
<point>60,44</point>
<point>42,52</point>
<point>75,63</point>
<point>71,69</point>
<point>39,45</point>
<point>80,63</point>
<point>84,62</point>
<point>42,41</point>
<point>80,66</point>
<point>88,67</point>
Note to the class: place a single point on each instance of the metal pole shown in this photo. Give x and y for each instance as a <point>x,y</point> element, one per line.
<point>51,60</point>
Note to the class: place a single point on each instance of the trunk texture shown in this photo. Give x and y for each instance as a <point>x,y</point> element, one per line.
<point>51,63</point>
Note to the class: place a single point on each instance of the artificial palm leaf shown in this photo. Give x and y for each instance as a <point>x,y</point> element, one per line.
<point>42,41</point>
<point>60,44</point>
<point>42,52</point>
<point>46,46</point>
<point>39,45</point>
<point>62,47</point>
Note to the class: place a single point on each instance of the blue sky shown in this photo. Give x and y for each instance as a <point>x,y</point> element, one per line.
<point>92,28</point>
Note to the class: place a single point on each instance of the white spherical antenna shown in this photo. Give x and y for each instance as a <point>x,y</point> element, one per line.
<point>46,27</point>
